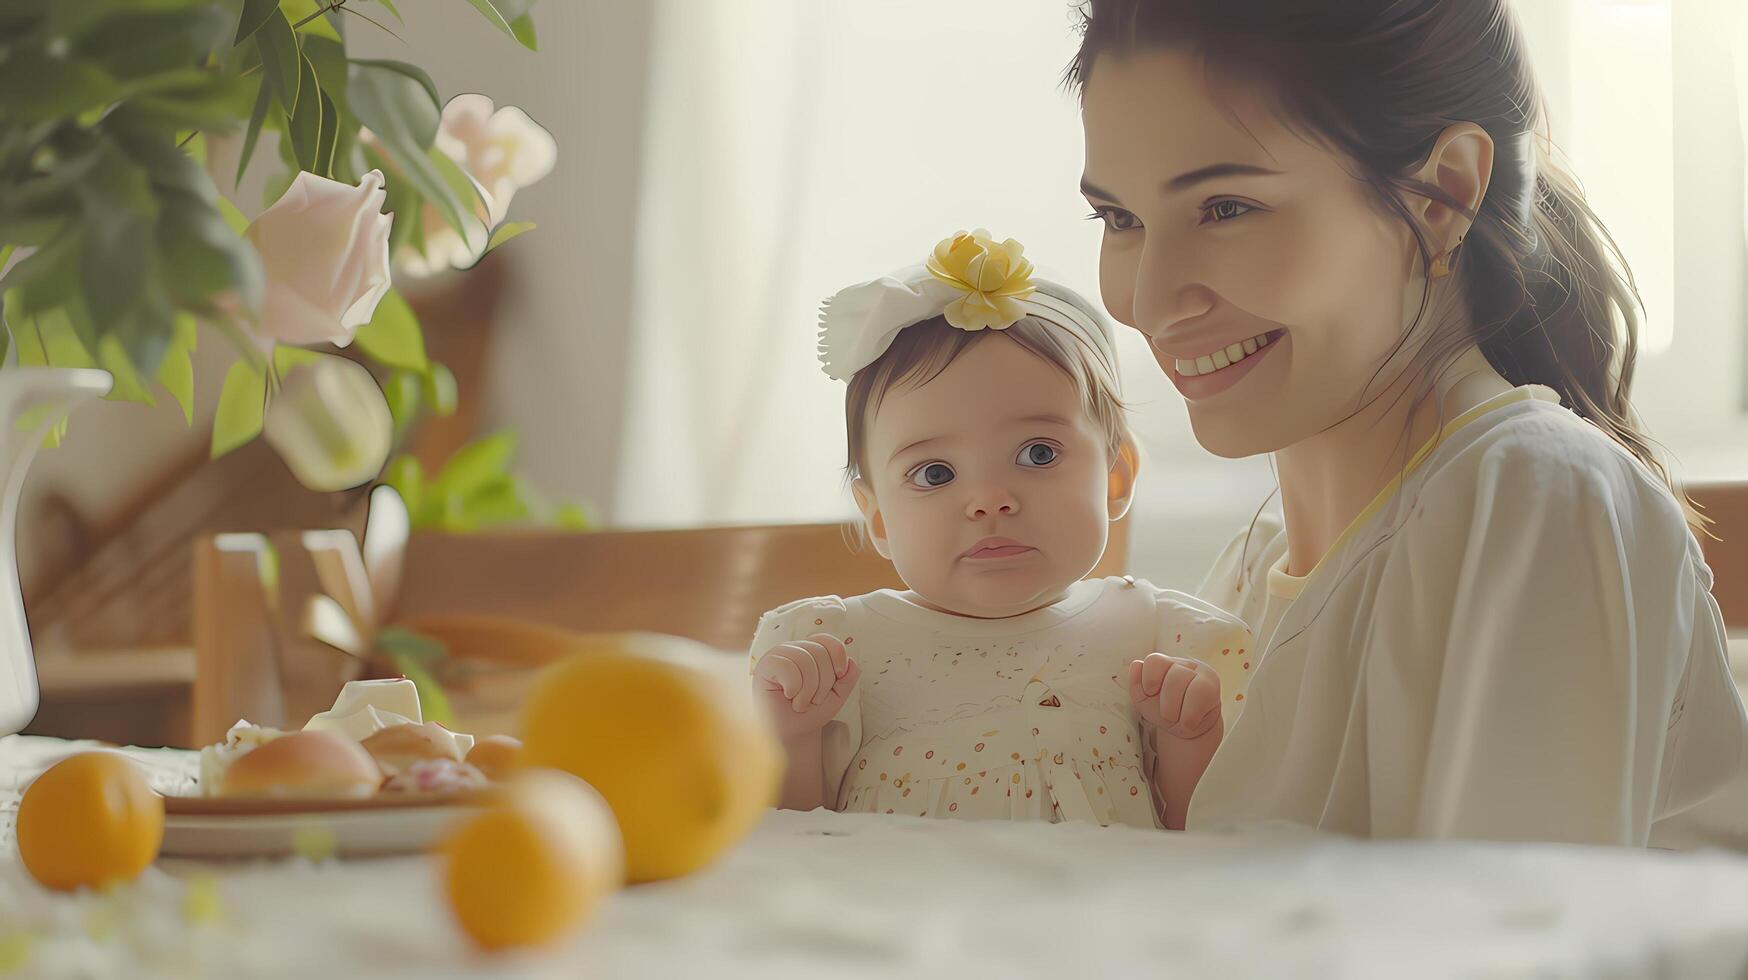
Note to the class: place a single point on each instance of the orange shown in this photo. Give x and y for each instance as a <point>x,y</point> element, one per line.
<point>88,822</point>
<point>536,864</point>
<point>666,730</point>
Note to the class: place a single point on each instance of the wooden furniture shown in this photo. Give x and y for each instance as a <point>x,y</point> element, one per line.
<point>1727,547</point>
<point>708,584</point>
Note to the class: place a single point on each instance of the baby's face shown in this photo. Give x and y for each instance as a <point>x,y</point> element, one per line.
<point>989,484</point>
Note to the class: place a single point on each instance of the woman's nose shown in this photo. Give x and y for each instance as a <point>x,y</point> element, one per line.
<point>1168,290</point>
<point>992,502</point>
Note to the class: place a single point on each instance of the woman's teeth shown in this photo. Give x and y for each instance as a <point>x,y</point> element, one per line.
<point>1225,358</point>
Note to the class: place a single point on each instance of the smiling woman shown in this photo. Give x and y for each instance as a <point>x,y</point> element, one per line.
<point>1483,613</point>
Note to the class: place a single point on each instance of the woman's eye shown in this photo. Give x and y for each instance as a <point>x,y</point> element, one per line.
<point>1225,211</point>
<point>1038,454</point>
<point>1115,219</point>
<point>931,476</point>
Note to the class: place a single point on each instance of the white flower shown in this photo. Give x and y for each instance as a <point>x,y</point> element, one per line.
<point>503,151</point>
<point>330,424</point>
<point>324,249</point>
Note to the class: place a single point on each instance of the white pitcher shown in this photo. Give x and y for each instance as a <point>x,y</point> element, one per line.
<point>24,390</point>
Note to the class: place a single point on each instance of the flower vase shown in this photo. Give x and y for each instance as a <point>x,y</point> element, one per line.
<point>32,399</point>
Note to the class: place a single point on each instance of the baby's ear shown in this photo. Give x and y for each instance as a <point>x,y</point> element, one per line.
<point>1125,473</point>
<point>871,518</point>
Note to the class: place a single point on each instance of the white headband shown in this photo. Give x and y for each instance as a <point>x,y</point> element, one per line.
<point>971,280</point>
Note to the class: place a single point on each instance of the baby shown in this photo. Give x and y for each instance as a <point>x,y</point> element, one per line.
<point>989,454</point>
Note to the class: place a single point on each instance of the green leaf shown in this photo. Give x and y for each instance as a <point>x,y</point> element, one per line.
<point>318,26</point>
<point>204,257</point>
<point>572,517</point>
<point>281,62</point>
<point>255,14</point>
<point>432,701</point>
<point>130,43</point>
<point>306,123</point>
<point>476,464</point>
<point>232,216</point>
<point>440,389</point>
<point>36,89</point>
<point>403,114</point>
<point>465,188</point>
<point>504,13</point>
<point>404,393</point>
<point>389,5</point>
<point>507,231</point>
<point>327,139</point>
<point>408,479</point>
<point>176,371</point>
<point>257,116</point>
<point>60,343</point>
<point>420,648</point>
<point>522,29</point>
<point>329,60</point>
<point>239,408</point>
<point>285,358</point>
<point>388,79</point>
<point>392,336</point>
<point>129,386</point>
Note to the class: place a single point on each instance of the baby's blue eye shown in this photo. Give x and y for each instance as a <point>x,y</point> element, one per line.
<point>1038,454</point>
<point>932,475</point>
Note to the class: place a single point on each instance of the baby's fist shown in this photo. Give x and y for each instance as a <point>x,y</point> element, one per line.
<point>1179,696</point>
<point>803,683</point>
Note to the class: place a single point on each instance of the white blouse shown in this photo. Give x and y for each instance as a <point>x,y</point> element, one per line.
<point>1023,718</point>
<point>1516,640</point>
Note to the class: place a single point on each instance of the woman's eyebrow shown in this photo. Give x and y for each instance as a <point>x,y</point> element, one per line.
<point>1189,179</point>
<point>1215,171</point>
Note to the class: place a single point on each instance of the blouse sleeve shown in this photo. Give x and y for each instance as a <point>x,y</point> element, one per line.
<point>1186,626</point>
<point>1529,650</point>
<point>842,736</point>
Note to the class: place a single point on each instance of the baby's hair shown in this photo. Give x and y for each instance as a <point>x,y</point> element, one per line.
<point>921,352</point>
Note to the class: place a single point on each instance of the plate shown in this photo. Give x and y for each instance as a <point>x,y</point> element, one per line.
<point>378,826</point>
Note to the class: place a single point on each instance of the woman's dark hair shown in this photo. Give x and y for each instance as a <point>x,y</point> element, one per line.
<point>1378,81</point>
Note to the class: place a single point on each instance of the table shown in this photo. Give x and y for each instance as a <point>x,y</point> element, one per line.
<point>825,894</point>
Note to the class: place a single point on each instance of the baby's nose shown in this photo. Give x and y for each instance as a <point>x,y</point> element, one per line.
<point>991,502</point>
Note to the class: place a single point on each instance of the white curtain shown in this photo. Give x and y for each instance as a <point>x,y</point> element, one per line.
<point>796,146</point>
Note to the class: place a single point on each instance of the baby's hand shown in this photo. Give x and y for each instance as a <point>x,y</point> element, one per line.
<point>1179,696</point>
<point>803,683</point>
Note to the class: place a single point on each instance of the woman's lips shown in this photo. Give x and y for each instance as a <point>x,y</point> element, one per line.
<point>1204,386</point>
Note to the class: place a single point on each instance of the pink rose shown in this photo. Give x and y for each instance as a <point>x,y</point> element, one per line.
<point>324,247</point>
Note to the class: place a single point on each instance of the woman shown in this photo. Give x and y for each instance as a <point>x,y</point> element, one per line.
<point>1483,610</point>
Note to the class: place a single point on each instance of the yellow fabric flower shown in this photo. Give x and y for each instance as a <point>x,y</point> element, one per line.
<point>994,277</point>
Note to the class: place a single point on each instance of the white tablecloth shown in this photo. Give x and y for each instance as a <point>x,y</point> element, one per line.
<point>830,895</point>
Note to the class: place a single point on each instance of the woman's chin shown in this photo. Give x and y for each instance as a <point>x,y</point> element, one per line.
<point>1234,437</point>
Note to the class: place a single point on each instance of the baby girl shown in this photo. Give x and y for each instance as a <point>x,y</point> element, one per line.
<point>989,454</point>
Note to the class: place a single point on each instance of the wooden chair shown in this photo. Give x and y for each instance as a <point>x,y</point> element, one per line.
<point>1727,547</point>
<point>706,584</point>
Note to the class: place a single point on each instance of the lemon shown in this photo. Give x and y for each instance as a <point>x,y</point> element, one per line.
<point>88,822</point>
<point>674,744</point>
<point>536,864</point>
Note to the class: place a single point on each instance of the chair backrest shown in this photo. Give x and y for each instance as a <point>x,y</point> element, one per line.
<point>706,584</point>
<point>1726,547</point>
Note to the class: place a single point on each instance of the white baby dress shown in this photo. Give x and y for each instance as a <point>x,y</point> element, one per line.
<point>1027,717</point>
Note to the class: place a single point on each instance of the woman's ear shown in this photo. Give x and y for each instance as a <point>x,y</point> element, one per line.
<point>1460,165</point>
<point>871,517</point>
<point>1125,472</point>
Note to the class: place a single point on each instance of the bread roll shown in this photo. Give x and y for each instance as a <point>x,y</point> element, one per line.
<point>304,764</point>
